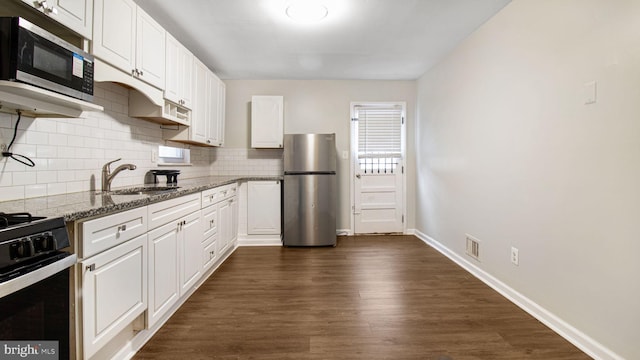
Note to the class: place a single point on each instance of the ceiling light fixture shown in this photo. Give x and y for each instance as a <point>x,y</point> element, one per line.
<point>307,11</point>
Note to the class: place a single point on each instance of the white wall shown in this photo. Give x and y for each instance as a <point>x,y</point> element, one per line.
<point>508,151</point>
<point>320,106</point>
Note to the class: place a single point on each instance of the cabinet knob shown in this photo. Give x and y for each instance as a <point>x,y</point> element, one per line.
<point>91,267</point>
<point>122,227</point>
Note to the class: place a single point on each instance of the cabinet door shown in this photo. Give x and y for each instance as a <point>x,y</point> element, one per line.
<point>213,125</point>
<point>263,203</point>
<point>225,225</point>
<point>200,111</point>
<point>76,15</point>
<point>114,292</point>
<point>114,25</point>
<point>190,239</point>
<point>267,121</point>
<point>222,97</point>
<point>185,69</point>
<point>163,271</point>
<point>172,73</point>
<point>150,50</point>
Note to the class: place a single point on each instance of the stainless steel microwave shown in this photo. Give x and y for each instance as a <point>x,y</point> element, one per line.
<point>31,55</point>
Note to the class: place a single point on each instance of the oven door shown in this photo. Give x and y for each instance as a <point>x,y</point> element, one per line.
<point>35,305</point>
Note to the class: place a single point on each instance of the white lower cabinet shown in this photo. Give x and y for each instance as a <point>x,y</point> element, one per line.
<point>114,292</point>
<point>147,259</point>
<point>175,262</point>
<point>263,208</point>
<point>164,288</point>
<point>190,250</point>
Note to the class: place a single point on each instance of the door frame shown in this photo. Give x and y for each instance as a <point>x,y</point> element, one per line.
<point>353,155</point>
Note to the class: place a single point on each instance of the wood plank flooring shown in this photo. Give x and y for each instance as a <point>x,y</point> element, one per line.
<point>371,297</point>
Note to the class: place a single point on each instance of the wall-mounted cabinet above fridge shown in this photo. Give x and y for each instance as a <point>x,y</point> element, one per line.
<point>267,121</point>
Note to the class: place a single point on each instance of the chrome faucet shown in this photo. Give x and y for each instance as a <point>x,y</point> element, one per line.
<point>107,175</point>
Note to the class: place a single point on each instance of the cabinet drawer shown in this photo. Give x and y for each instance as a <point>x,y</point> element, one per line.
<point>217,194</point>
<point>210,221</point>
<point>106,232</point>
<point>210,252</point>
<point>164,212</point>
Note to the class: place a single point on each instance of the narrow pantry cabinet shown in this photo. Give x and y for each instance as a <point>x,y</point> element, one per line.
<point>267,121</point>
<point>129,39</point>
<point>76,15</point>
<point>113,248</point>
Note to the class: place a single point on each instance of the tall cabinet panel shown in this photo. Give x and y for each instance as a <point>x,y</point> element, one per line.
<point>114,27</point>
<point>150,51</point>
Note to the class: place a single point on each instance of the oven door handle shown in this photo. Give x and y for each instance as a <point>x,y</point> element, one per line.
<point>30,278</point>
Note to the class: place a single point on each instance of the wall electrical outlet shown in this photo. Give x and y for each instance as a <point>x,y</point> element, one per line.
<point>515,258</point>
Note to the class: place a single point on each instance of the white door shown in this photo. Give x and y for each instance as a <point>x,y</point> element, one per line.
<point>378,148</point>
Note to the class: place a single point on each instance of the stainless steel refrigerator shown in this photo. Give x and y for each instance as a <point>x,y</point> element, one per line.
<point>309,214</point>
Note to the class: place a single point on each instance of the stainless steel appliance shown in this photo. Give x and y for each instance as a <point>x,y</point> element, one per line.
<point>34,280</point>
<point>31,55</point>
<point>309,214</point>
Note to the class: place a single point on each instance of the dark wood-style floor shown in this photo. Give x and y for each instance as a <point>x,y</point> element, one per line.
<point>371,297</point>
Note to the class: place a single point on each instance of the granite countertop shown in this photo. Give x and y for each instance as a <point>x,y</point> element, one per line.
<point>86,204</point>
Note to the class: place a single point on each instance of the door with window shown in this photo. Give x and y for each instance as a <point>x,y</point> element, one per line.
<point>378,148</point>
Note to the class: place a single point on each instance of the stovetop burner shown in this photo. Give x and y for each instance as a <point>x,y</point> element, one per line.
<point>9,219</point>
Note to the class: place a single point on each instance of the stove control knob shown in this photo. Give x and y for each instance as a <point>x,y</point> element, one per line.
<point>42,243</point>
<point>21,249</point>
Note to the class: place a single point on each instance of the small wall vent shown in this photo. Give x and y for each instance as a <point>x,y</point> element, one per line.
<point>473,247</point>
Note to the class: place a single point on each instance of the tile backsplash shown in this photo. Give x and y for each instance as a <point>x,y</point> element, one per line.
<point>69,152</point>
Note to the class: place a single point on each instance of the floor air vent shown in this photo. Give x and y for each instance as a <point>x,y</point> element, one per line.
<point>473,247</point>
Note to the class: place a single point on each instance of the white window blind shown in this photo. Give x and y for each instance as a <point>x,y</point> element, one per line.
<point>379,131</point>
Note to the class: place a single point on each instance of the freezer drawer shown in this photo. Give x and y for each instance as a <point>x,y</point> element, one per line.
<point>309,210</point>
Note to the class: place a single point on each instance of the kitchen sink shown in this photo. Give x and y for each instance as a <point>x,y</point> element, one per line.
<point>156,190</point>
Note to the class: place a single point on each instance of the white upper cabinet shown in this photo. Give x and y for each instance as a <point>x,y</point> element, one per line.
<point>267,121</point>
<point>207,113</point>
<point>76,15</point>
<point>129,39</point>
<point>178,73</point>
<point>150,50</point>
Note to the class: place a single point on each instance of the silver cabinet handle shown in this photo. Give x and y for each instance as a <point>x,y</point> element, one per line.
<point>122,227</point>
<point>91,267</point>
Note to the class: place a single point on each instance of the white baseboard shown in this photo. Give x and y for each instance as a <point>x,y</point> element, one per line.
<point>259,240</point>
<point>410,232</point>
<point>585,343</point>
<point>344,232</point>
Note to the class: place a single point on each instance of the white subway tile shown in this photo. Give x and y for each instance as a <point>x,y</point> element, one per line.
<point>35,190</point>
<point>12,193</point>
<point>37,138</point>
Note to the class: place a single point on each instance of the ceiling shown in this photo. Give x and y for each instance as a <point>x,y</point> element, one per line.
<point>359,39</point>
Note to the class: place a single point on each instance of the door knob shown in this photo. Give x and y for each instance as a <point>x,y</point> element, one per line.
<point>358,176</point>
